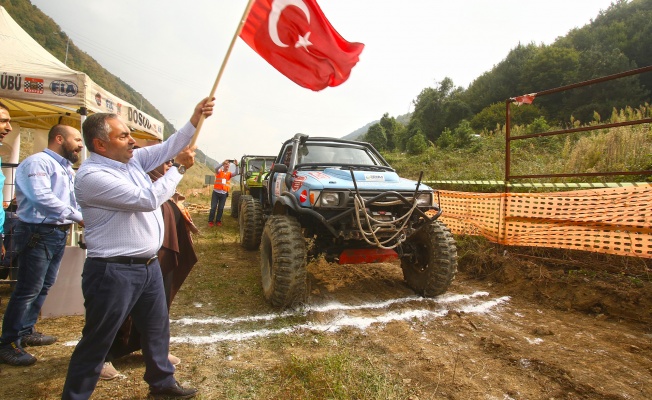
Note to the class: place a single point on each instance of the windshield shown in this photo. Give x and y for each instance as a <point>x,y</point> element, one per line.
<point>324,153</point>
<point>260,165</point>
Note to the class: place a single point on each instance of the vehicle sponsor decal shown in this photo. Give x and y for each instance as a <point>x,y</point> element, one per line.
<point>298,181</point>
<point>374,177</point>
<point>33,85</point>
<point>11,82</point>
<point>303,196</point>
<point>277,186</point>
<point>109,104</point>
<point>64,88</point>
<point>319,175</point>
<point>98,99</point>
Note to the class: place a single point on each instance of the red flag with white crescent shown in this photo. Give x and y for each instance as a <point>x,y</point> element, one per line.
<point>525,99</point>
<point>295,37</point>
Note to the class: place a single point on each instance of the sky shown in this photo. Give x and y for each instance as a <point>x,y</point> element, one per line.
<point>171,53</point>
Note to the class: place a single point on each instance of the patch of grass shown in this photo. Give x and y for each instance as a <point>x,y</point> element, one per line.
<point>339,375</point>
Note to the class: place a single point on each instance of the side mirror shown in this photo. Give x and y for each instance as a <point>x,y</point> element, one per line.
<point>280,168</point>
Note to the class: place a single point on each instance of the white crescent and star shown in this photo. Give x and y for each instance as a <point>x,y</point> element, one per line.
<point>277,9</point>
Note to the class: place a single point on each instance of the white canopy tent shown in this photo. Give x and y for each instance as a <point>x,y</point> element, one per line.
<point>40,92</point>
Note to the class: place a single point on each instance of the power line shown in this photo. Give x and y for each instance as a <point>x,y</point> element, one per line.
<point>127,60</point>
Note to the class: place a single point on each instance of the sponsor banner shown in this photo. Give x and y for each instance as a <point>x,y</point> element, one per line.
<point>68,89</point>
<point>100,100</point>
<point>62,89</point>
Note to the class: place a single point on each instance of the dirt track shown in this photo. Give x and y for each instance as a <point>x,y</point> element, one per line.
<point>524,331</point>
<point>514,349</point>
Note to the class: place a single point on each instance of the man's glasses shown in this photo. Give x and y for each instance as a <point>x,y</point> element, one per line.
<point>3,120</point>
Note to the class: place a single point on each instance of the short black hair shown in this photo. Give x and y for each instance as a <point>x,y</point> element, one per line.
<point>96,126</point>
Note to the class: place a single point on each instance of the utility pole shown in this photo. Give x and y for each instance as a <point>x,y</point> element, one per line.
<point>65,61</point>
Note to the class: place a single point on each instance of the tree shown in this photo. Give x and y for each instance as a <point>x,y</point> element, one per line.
<point>446,139</point>
<point>377,137</point>
<point>505,80</point>
<point>417,144</point>
<point>436,109</point>
<point>393,130</point>
<point>494,115</point>
<point>551,67</point>
<point>458,138</point>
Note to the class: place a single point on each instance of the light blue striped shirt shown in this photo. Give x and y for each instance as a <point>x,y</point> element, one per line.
<point>121,205</point>
<point>44,190</point>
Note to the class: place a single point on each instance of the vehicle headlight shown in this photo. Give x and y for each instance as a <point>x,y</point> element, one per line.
<point>424,200</point>
<point>329,199</point>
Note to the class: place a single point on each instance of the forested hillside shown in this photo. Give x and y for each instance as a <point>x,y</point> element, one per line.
<point>49,35</point>
<point>451,117</point>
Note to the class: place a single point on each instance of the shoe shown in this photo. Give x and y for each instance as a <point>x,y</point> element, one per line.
<point>13,354</point>
<point>211,224</point>
<point>219,224</point>
<point>108,372</point>
<point>173,392</point>
<point>174,360</point>
<point>37,339</point>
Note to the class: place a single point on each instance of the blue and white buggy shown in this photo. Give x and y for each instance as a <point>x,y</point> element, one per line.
<point>353,208</point>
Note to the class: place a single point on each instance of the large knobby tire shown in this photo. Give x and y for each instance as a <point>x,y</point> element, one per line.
<point>235,203</point>
<point>283,262</point>
<point>432,265</point>
<point>251,222</point>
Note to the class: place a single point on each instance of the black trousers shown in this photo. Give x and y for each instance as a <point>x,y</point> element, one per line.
<point>111,292</point>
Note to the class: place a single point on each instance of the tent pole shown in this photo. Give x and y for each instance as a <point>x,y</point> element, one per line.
<point>75,232</point>
<point>226,58</point>
<point>83,111</point>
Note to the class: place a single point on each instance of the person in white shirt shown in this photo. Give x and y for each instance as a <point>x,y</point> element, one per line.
<point>124,231</point>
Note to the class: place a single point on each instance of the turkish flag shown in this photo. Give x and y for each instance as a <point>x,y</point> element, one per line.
<point>525,99</point>
<point>295,37</point>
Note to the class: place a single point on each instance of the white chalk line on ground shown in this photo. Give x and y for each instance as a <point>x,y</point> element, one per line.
<point>329,307</point>
<point>340,321</point>
<point>465,303</point>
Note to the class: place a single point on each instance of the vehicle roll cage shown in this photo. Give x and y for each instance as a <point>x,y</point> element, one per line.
<point>301,139</point>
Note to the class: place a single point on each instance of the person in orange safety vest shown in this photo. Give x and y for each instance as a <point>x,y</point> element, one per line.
<point>220,193</point>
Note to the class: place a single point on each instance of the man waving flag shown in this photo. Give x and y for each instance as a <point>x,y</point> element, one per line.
<point>295,37</point>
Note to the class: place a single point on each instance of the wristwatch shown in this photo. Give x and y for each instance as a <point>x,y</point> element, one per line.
<point>180,168</point>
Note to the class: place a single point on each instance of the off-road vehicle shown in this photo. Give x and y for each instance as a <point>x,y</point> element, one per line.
<point>342,200</point>
<point>252,171</point>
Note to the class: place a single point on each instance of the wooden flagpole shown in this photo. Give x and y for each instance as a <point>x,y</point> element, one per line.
<point>219,74</point>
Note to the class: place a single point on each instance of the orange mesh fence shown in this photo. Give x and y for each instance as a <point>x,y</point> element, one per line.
<point>614,221</point>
